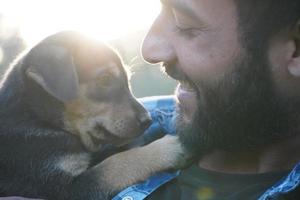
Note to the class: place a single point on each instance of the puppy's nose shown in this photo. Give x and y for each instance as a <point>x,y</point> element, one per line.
<point>145,120</point>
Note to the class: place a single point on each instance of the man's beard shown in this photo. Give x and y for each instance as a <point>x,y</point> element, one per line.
<point>242,112</point>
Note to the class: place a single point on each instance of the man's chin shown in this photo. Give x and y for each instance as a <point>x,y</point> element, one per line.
<point>189,135</point>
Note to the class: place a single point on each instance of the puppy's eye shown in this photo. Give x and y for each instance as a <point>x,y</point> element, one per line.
<point>105,79</point>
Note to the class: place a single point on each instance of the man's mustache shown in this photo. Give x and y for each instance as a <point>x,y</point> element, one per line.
<point>174,72</point>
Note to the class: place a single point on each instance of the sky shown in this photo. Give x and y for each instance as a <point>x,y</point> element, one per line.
<point>103,19</point>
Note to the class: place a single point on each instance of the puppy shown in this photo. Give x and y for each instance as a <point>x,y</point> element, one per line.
<point>60,104</point>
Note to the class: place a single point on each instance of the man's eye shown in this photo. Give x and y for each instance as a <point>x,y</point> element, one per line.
<point>188,32</point>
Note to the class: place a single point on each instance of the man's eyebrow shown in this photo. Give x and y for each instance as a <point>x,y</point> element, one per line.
<point>180,7</point>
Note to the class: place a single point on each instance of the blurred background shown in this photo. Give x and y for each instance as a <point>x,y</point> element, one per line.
<point>122,23</point>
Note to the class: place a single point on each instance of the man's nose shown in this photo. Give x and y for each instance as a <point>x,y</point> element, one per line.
<point>157,45</point>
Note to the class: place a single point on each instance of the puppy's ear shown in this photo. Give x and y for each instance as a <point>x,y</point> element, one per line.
<point>52,67</point>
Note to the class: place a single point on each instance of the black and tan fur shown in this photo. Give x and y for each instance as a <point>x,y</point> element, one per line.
<point>60,103</point>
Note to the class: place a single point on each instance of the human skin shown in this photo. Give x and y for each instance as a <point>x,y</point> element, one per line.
<point>200,40</point>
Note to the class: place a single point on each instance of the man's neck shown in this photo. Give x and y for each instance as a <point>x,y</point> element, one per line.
<point>276,157</point>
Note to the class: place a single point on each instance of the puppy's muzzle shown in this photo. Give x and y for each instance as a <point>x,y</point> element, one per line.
<point>144,120</point>
<point>143,116</point>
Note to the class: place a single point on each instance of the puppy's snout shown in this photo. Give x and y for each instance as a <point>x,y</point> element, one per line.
<point>142,115</point>
<point>144,120</point>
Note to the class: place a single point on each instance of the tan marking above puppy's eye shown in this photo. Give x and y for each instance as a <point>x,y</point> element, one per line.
<point>117,72</point>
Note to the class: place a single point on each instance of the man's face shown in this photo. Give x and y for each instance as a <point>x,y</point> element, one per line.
<point>225,96</point>
<point>195,40</point>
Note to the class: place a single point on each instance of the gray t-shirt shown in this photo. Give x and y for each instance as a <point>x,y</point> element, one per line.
<point>200,184</point>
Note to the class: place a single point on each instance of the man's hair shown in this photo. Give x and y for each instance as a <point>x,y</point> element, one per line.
<point>261,19</point>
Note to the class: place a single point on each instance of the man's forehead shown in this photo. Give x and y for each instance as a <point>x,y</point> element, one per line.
<point>184,6</point>
<point>204,10</point>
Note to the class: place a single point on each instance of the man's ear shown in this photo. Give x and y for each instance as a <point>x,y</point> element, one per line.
<point>294,65</point>
<point>52,67</point>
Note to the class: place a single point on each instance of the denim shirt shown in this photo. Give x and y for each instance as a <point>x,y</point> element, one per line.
<point>162,110</point>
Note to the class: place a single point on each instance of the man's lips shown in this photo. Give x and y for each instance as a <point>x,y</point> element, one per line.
<point>187,99</point>
<point>186,92</point>
<point>173,71</point>
<point>186,95</point>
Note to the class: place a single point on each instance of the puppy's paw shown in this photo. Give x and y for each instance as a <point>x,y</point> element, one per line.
<point>171,154</point>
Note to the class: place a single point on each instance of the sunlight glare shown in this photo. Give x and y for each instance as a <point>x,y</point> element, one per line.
<point>103,19</point>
